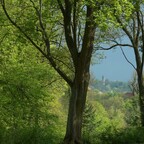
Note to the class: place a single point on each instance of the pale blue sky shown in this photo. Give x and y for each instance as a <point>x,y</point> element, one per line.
<point>114,66</point>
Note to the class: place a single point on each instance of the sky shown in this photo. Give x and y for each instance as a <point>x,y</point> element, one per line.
<point>115,67</point>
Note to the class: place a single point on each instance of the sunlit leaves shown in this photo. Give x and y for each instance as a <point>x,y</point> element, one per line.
<point>109,10</point>
<point>29,91</point>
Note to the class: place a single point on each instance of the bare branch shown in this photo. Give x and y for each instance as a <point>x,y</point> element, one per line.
<point>138,31</point>
<point>44,34</point>
<point>127,58</point>
<point>113,46</point>
<point>63,63</point>
<point>68,31</point>
<point>61,7</point>
<point>51,82</point>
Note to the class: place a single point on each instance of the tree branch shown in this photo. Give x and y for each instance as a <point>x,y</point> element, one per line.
<point>48,56</point>
<point>113,46</point>
<point>44,34</point>
<point>63,63</point>
<point>126,31</point>
<point>68,32</point>
<point>127,58</point>
<point>140,22</point>
<point>61,7</point>
<point>19,28</point>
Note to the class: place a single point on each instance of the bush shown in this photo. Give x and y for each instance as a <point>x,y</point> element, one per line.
<point>30,136</point>
<point>133,135</point>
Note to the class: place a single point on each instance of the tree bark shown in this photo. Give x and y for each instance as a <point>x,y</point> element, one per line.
<point>80,83</point>
<point>141,101</point>
<point>76,107</point>
<point>139,69</point>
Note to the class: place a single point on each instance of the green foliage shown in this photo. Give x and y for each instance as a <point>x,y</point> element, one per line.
<point>31,107</point>
<point>133,135</point>
<point>30,135</point>
<point>94,122</point>
<point>132,111</point>
<point>109,10</point>
<point>29,89</point>
<point>88,122</point>
<point>116,119</point>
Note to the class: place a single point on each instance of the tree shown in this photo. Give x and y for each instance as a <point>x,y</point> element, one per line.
<point>28,107</point>
<point>64,33</point>
<point>131,28</point>
<point>134,85</point>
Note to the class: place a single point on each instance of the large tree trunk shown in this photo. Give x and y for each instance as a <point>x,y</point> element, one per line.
<point>141,102</point>
<point>76,108</point>
<point>80,83</point>
<point>139,69</point>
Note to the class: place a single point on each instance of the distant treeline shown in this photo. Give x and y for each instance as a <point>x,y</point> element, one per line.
<point>106,85</point>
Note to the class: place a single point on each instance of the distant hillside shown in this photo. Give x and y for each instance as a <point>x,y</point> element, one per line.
<point>106,85</point>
